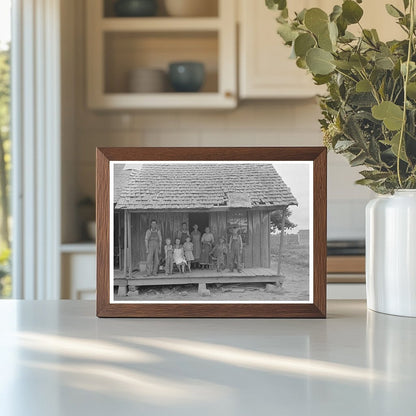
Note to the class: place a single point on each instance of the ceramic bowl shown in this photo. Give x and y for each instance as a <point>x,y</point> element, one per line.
<point>186,76</point>
<point>147,80</point>
<point>191,8</point>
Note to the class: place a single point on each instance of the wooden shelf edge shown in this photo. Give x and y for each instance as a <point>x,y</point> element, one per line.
<point>160,24</point>
<point>124,101</point>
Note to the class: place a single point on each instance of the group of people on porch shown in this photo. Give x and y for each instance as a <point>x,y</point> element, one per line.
<point>186,250</point>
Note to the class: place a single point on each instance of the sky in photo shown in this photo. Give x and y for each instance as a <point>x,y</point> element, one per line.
<point>296,177</point>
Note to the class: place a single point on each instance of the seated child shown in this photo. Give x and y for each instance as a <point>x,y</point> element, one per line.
<point>219,253</point>
<point>179,256</point>
<point>132,291</point>
<point>188,249</point>
<point>168,256</point>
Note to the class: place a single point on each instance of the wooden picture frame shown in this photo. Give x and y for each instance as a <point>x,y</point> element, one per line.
<point>315,307</point>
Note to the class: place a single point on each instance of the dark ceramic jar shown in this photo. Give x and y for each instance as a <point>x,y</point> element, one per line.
<point>135,8</point>
<point>186,76</point>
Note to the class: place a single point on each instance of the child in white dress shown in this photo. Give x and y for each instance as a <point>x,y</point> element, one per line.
<point>188,249</point>
<point>179,256</point>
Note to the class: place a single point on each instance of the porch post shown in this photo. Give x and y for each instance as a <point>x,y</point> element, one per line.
<point>282,233</point>
<point>129,242</point>
<point>125,243</point>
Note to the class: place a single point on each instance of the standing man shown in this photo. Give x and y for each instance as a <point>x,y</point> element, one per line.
<point>235,248</point>
<point>153,243</point>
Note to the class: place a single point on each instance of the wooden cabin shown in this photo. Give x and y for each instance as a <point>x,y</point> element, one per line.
<point>218,195</point>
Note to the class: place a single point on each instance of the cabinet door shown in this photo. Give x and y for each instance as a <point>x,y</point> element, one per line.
<point>265,68</point>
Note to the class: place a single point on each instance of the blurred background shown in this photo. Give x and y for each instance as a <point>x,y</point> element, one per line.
<point>145,73</point>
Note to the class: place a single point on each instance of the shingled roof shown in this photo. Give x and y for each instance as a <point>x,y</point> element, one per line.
<point>180,186</point>
<point>121,176</point>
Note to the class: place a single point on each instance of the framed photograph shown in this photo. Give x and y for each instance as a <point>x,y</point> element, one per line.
<point>211,232</point>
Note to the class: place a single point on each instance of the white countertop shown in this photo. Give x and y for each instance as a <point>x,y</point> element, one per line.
<point>57,358</point>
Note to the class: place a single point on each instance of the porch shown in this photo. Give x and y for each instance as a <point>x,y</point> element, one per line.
<point>198,277</point>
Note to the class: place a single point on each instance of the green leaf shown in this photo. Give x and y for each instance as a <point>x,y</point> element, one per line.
<point>368,36</point>
<point>325,42</point>
<point>316,20</point>
<point>411,90</point>
<point>342,25</point>
<point>301,15</point>
<point>343,145</point>
<point>303,43</point>
<point>375,35</point>
<point>347,37</point>
<point>320,61</point>
<point>363,86</point>
<point>358,160</point>
<point>374,174</point>
<point>333,32</point>
<point>393,11</point>
<point>351,11</point>
<point>276,4</point>
<point>321,79</point>
<point>287,33</point>
<point>336,12</point>
<point>388,112</point>
<point>384,62</point>
<point>394,145</point>
<point>345,65</point>
<point>358,61</point>
<point>301,63</point>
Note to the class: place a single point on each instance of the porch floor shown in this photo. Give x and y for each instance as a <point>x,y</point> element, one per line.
<point>201,273</point>
<point>198,277</point>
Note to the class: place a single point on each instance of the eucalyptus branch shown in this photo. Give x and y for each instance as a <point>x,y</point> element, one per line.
<point>346,75</point>
<point>373,88</point>
<point>405,81</point>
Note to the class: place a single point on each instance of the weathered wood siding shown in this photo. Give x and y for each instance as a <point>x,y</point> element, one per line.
<point>256,250</point>
<point>218,224</point>
<point>169,224</point>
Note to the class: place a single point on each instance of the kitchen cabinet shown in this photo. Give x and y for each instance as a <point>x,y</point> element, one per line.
<point>78,263</point>
<point>265,70</point>
<point>118,45</point>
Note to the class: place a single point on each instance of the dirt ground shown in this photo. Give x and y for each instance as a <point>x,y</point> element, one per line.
<point>295,268</point>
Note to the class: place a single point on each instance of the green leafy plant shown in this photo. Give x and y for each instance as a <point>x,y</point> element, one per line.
<point>369,112</point>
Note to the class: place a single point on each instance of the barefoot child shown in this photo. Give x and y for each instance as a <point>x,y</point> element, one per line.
<point>178,256</point>
<point>219,253</point>
<point>188,248</point>
<point>168,257</point>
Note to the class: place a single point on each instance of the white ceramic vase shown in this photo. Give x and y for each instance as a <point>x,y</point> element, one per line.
<point>391,253</point>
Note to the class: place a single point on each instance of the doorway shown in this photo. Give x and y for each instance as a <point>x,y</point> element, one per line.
<point>199,218</point>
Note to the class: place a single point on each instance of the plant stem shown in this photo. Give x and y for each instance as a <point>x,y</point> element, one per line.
<point>405,81</point>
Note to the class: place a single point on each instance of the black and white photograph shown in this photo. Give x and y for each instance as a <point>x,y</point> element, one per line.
<point>211,232</point>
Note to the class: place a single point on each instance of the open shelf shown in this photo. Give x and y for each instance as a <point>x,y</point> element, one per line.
<point>126,51</point>
<point>119,45</point>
